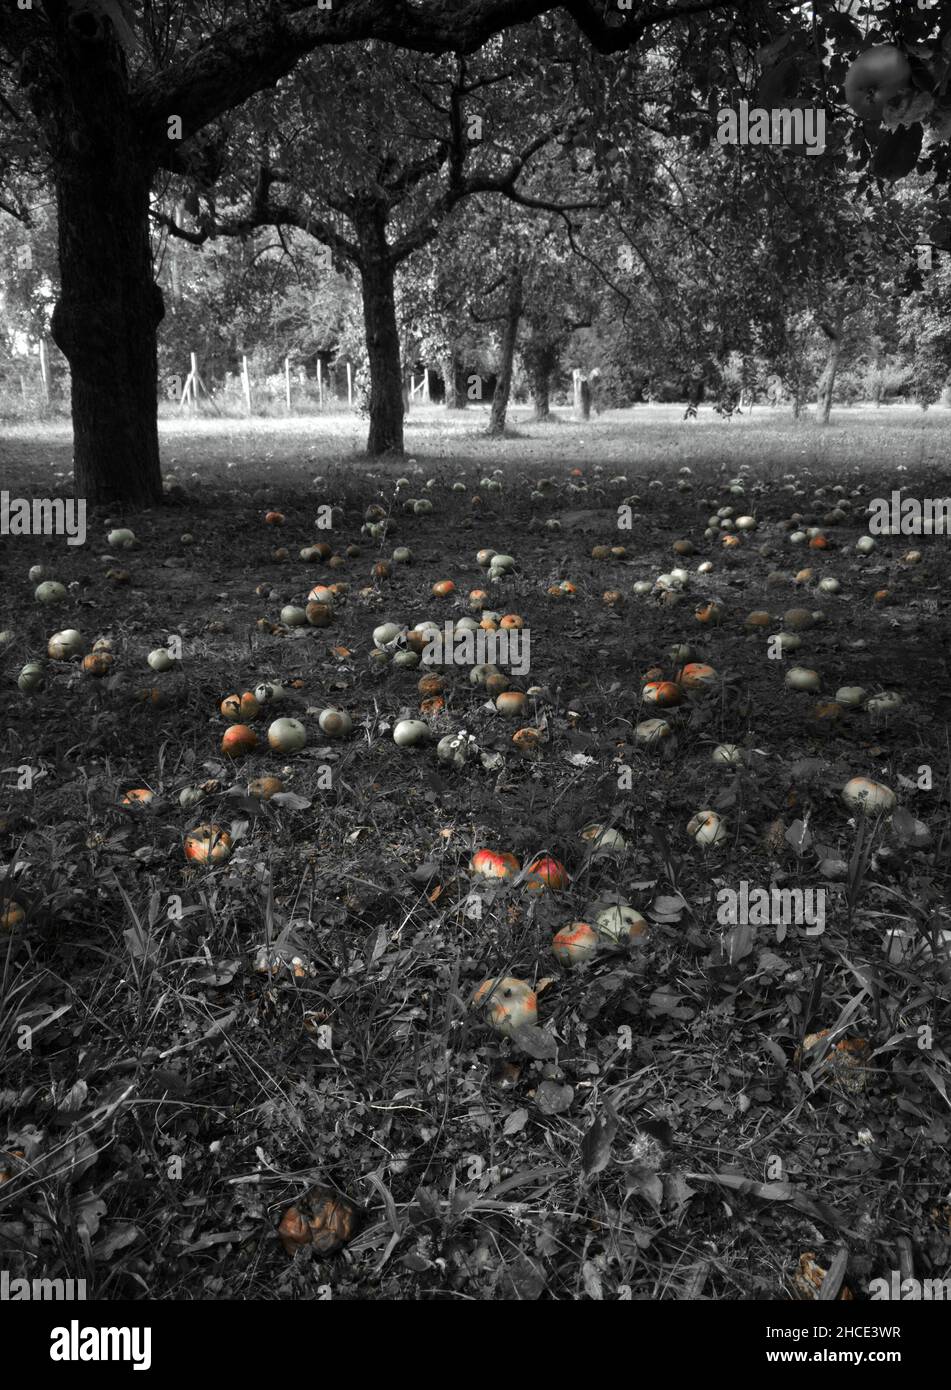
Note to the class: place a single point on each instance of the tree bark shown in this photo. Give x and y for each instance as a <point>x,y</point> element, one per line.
<point>109,306</point>
<point>377,273</point>
<point>540,368</point>
<point>503,385</point>
<point>452,371</point>
<point>834,336</point>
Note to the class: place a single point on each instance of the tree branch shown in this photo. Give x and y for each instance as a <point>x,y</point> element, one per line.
<point>252,55</point>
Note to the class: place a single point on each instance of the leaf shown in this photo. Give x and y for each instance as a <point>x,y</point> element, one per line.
<point>834,1275</point>
<point>76,1156</point>
<point>591,1277</point>
<point>415,1263</point>
<point>88,1211</point>
<point>210,1241</point>
<point>738,943</point>
<point>596,1145</point>
<point>677,1191</point>
<point>553,1098</point>
<point>904,825</point>
<point>140,945</point>
<point>771,53</point>
<point>522,1281</point>
<point>291,801</point>
<point>798,836</point>
<point>75,1097</point>
<point>118,1234</point>
<point>647,1184</point>
<point>938,1081</point>
<point>516,1121</point>
<point>774,1192</point>
<point>897,152</point>
<point>376,944</point>
<point>537,1042</point>
<point>779,85</point>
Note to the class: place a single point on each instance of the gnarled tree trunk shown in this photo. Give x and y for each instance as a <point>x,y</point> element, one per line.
<point>833,334</point>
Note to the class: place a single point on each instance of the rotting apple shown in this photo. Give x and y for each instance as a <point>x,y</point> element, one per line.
<point>509,1003</point>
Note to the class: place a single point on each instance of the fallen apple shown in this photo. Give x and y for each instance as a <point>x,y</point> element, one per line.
<point>868,797</point>
<point>707,828</point>
<point>50,591</point>
<point>335,723</point>
<point>286,735</point>
<point>508,1003</point>
<point>545,873</point>
<point>238,741</point>
<point>410,732</point>
<point>65,644</point>
<point>621,922</point>
<point>575,944</point>
<point>490,863</point>
<point>208,843</point>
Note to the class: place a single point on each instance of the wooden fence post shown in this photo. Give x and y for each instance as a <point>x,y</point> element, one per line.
<point>45,369</point>
<point>246,384</point>
<point>349,385</point>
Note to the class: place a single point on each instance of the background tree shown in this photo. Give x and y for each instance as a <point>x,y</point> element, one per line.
<point>114,93</point>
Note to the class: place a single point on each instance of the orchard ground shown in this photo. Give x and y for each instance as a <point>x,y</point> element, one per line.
<point>170,1102</point>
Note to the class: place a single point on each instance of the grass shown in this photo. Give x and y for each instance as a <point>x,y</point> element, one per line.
<point>173,1101</point>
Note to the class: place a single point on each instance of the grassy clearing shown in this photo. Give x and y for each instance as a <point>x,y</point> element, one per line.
<point>174,1101</point>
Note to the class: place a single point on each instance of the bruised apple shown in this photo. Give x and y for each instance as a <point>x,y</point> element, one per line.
<point>207,843</point>
<point>488,863</point>
<point>321,1218</point>
<point>508,1003</point>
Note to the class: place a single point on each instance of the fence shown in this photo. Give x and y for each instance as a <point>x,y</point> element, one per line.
<point>293,385</point>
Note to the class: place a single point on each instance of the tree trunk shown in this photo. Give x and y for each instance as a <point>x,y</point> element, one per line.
<point>377,273</point>
<point>503,385</point>
<point>827,387</point>
<point>540,382</point>
<point>109,306</point>
<point>452,371</point>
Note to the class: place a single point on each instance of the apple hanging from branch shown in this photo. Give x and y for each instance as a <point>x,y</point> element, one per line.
<point>876,77</point>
